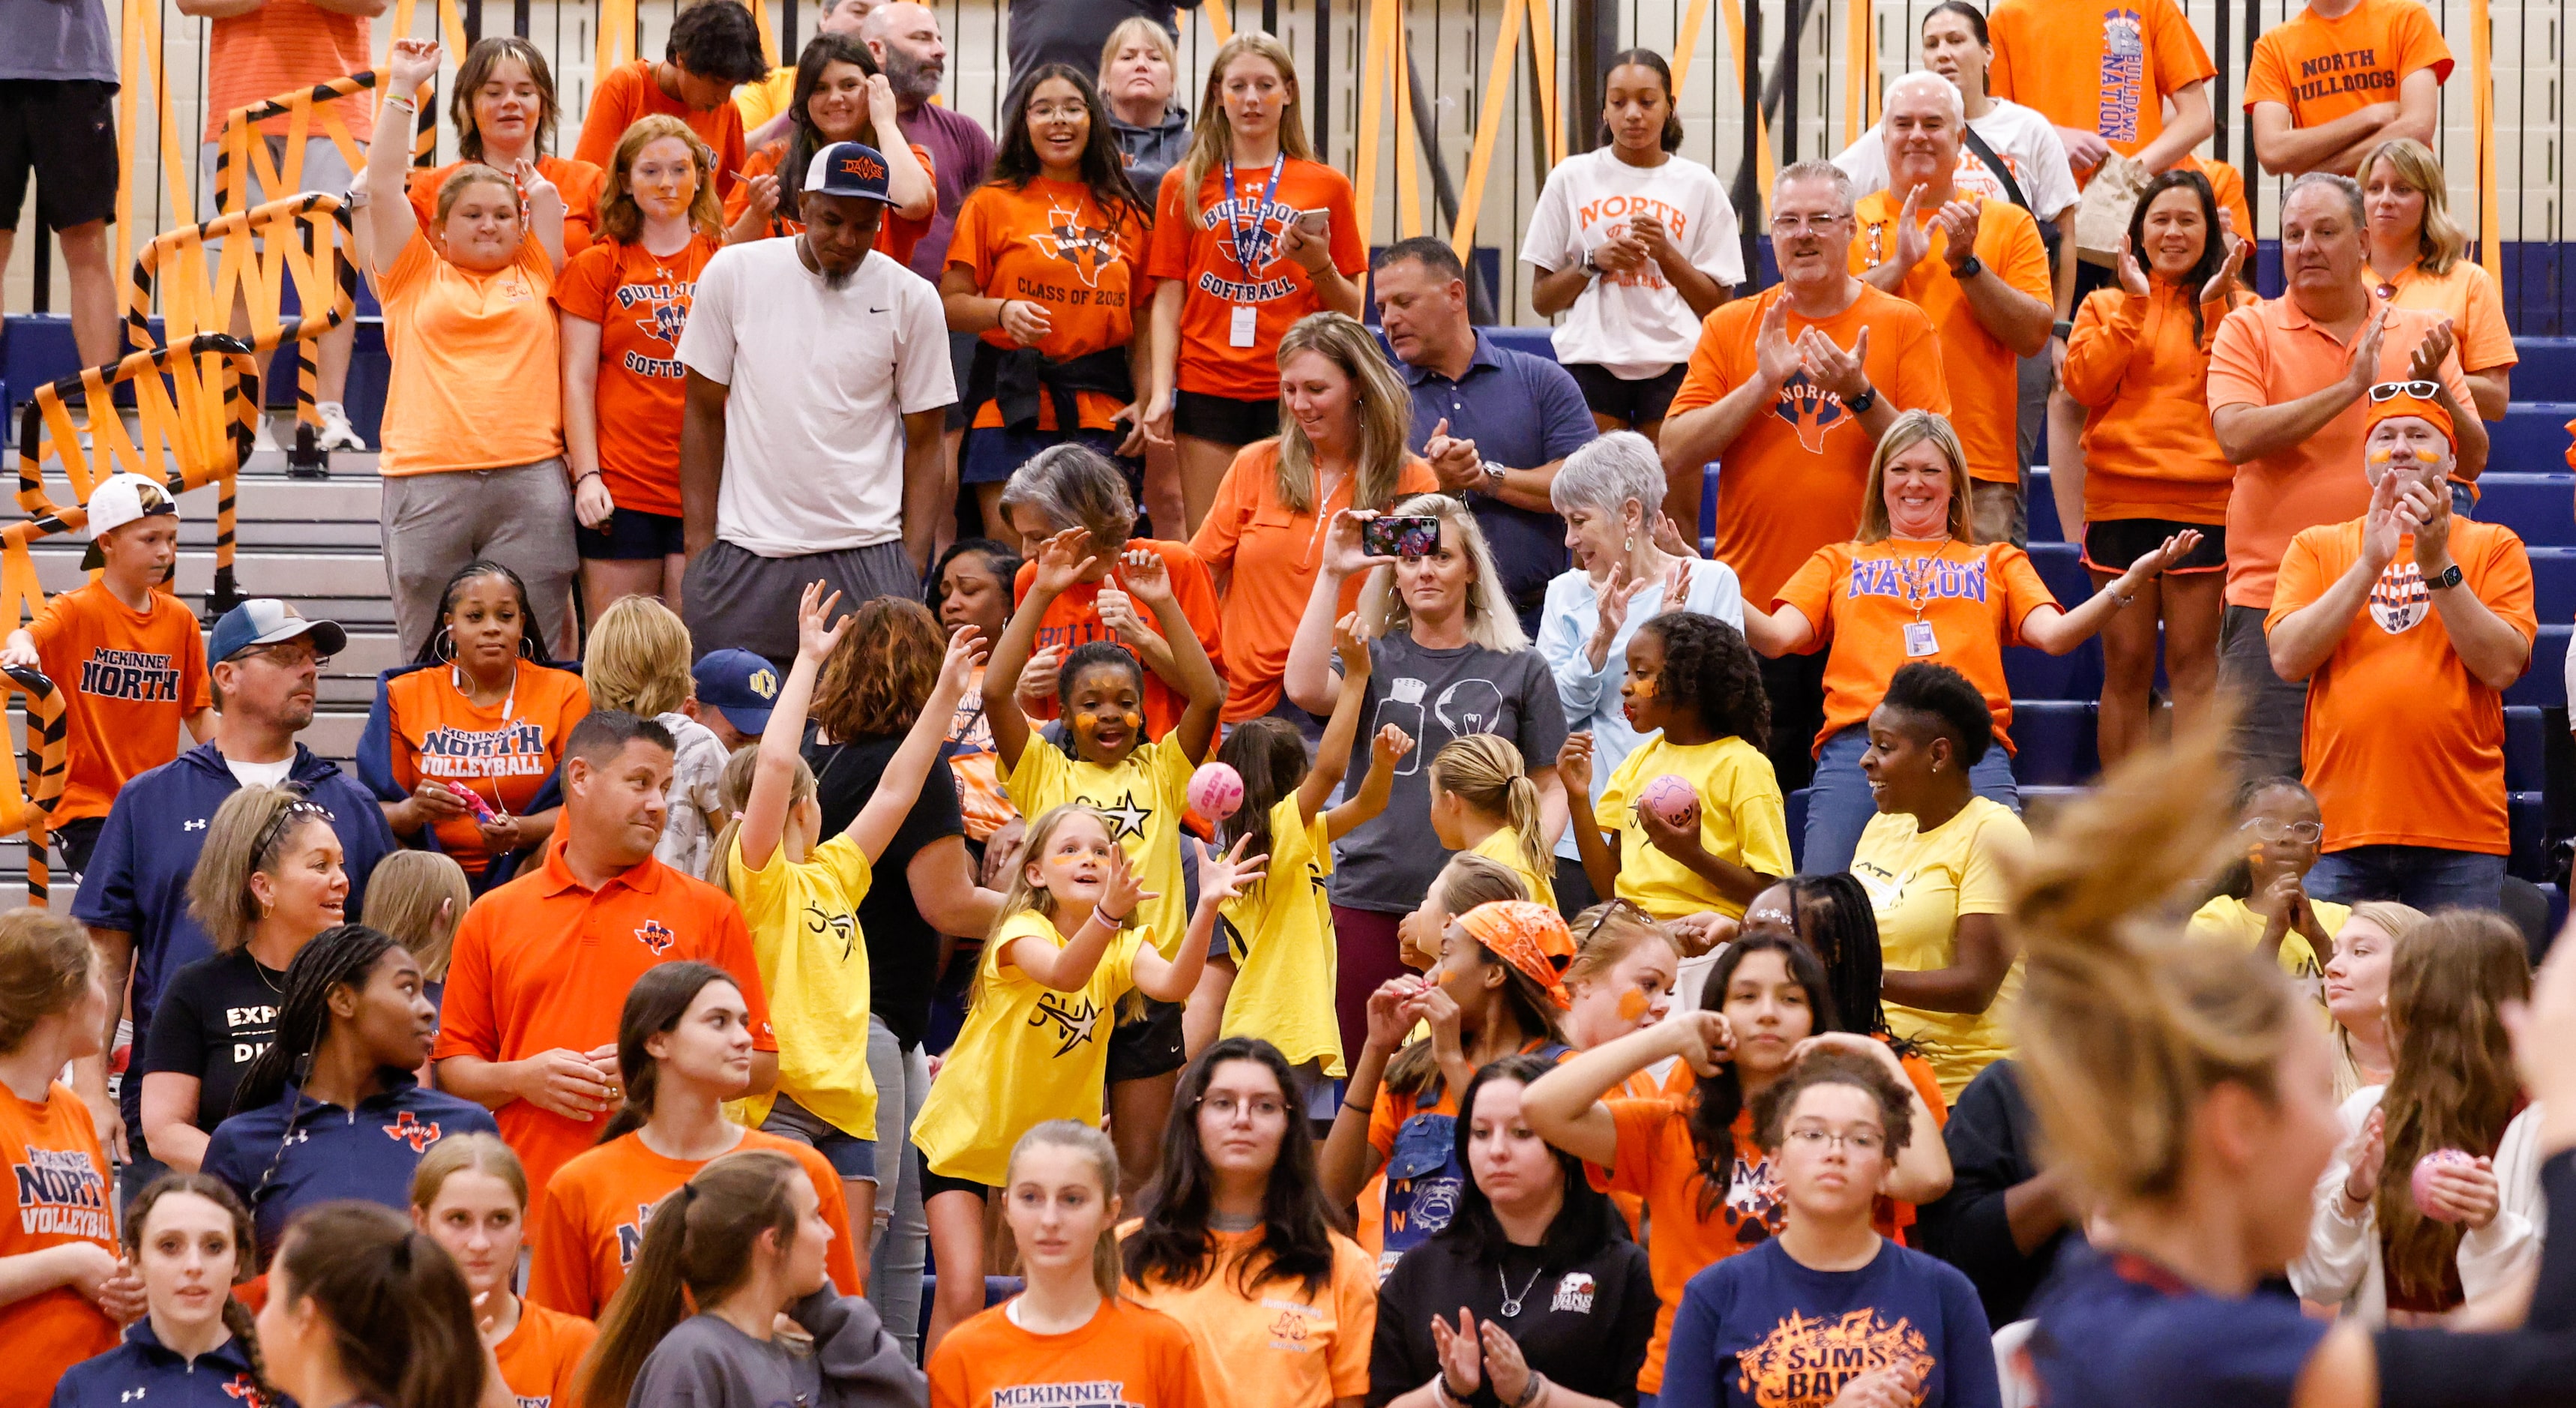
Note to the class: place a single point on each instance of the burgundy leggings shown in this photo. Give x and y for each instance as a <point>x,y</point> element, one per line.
<point>1370,955</point>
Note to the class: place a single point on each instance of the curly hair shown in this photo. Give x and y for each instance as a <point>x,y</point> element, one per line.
<point>882,672</point>
<point>718,39</point>
<point>1709,669</point>
<point>1772,1108</point>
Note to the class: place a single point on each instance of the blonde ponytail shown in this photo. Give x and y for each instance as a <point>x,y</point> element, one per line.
<point>735,789</point>
<point>1485,771</point>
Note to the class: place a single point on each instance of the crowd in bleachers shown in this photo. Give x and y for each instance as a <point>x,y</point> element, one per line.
<point>998,801</point>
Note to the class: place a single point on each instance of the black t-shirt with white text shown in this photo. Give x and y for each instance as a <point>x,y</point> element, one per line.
<point>215,1015</point>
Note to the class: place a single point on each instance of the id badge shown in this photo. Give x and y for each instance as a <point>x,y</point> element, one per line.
<point>1919,640</point>
<point>1244,327</point>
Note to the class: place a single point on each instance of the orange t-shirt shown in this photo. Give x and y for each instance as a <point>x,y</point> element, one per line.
<point>280,48</point>
<point>477,379</point>
<point>505,753</point>
<point>541,1360</point>
<point>2107,69</point>
<point>2148,448</point>
<point>583,1235</point>
<point>2322,69</point>
<point>1073,621</point>
<point>2228,185</point>
<point>1793,481</point>
<point>543,962</point>
<point>629,92</point>
<point>896,234</point>
<point>1128,1356</point>
<point>1984,373</point>
<point>130,680</point>
<point>1229,258</point>
<point>1278,1344</point>
<point>2467,296</point>
<point>1051,244</point>
<point>579,182</point>
<point>1273,553</point>
<point>1862,599</point>
<point>2403,745</point>
<point>65,1194</point>
<point>2269,353</point>
<point>641,302</point>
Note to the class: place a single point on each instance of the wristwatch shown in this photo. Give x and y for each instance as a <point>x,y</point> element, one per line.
<point>1969,268</point>
<point>2061,330</point>
<point>2450,578</point>
<point>1861,403</point>
<point>1589,268</point>
<point>1493,472</point>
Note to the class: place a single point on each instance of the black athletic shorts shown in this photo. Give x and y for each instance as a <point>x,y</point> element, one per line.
<point>632,536</point>
<point>74,840</point>
<point>1223,419</point>
<point>2111,545</point>
<point>1636,402</point>
<point>934,1184</point>
<point>1148,1047</point>
<point>62,132</point>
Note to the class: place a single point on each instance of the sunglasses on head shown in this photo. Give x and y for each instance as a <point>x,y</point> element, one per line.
<point>2391,390</point>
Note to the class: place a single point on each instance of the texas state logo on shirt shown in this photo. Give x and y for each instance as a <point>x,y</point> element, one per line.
<point>406,1129</point>
<point>62,1194</point>
<point>1812,409</point>
<point>661,311</point>
<point>1803,1363</point>
<point>515,749</point>
<point>1247,236</point>
<point>1086,249</point>
<point>2398,600</point>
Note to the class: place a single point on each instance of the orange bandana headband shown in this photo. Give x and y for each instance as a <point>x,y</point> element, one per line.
<point>1530,937</point>
<point>2391,399</point>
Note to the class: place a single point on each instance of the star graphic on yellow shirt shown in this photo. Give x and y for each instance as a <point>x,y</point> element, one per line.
<point>1127,818</point>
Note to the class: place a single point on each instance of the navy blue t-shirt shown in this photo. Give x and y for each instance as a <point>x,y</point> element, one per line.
<point>2123,1332</point>
<point>328,1152</point>
<point>1758,1330</point>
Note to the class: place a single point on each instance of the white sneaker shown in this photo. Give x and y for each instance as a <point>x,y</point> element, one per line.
<point>263,442</point>
<point>337,433</point>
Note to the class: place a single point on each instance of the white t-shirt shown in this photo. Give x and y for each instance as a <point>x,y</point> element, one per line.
<point>697,788</point>
<point>1635,324</point>
<point>261,774</point>
<point>2023,138</point>
<point>821,381</point>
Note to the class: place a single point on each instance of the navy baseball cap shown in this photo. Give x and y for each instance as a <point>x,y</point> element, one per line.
<point>268,621</point>
<point>740,682</point>
<point>849,169</point>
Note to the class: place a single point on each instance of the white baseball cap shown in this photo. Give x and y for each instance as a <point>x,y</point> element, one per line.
<point>118,500</point>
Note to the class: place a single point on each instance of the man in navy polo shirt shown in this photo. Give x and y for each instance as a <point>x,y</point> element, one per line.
<point>1494,423</point>
<point>134,897</point>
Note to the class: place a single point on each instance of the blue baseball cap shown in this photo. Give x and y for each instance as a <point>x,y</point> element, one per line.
<point>849,169</point>
<point>742,683</point>
<point>268,621</point>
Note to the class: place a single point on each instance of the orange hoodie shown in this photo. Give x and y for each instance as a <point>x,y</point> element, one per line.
<point>2149,451</point>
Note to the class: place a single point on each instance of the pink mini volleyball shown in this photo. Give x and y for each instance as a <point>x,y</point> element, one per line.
<point>2422,1184</point>
<point>1671,797</point>
<point>1216,789</point>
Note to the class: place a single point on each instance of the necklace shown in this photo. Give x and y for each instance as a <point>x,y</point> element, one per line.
<point>1512,1303</point>
<point>262,970</point>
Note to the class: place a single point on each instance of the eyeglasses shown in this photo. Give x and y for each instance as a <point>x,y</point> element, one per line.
<point>1225,1107</point>
<point>1051,112</point>
<point>1859,1141</point>
<point>2267,829</point>
<point>1610,908</point>
<point>287,816</point>
<point>2391,390</point>
<point>1792,224</point>
<point>290,653</point>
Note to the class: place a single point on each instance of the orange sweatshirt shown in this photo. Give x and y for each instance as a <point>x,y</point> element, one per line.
<point>2149,451</point>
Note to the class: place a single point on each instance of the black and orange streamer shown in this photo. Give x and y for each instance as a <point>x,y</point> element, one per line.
<point>302,239</point>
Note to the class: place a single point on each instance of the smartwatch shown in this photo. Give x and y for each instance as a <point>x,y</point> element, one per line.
<point>2062,330</point>
<point>1969,268</point>
<point>1860,404</point>
<point>2451,577</point>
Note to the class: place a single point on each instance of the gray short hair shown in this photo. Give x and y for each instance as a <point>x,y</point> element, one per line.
<point>1924,77</point>
<point>1813,170</point>
<point>1608,473</point>
<point>2343,186</point>
<point>1075,486</point>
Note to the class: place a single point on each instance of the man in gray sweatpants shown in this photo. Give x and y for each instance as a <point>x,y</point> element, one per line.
<point>818,379</point>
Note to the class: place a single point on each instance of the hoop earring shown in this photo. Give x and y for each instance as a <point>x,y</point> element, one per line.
<point>442,647</point>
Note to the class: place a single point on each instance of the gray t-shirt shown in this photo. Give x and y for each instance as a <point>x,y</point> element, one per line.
<point>706,1363</point>
<point>1435,696</point>
<point>56,40</point>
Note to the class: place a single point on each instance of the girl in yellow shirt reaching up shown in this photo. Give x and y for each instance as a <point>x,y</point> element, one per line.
<point>1033,1048</point>
<point>800,899</point>
<point>1483,803</point>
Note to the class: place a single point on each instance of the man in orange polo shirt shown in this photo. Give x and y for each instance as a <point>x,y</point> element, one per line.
<point>2287,378</point>
<point>1792,388</point>
<point>2335,80</point>
<point>541,967</point>
<point>2405,726</point>
<point>1976,268</point>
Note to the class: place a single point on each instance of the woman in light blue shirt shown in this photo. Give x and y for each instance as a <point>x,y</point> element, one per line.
<point>1611,495</point>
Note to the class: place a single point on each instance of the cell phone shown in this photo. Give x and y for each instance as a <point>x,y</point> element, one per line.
<point>1400,537</point>
<point>1315,222</point>
<point>473,802</point>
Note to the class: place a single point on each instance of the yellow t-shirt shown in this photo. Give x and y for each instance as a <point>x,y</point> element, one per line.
<point>1282,942</point>
<point>2235,921</point>
<point>1919,885</point>
<point>765,98</point>
<point>1741,819</point>
<point>1027,1053</point>
<point>1504,846</point>
<point>1145,797</point>
<point>804,922</point>
<point>1277,1347</point>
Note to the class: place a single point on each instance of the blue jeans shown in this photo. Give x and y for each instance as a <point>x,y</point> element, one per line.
<point>2426,877</point>
<point>894,1269</point>
<point>1839,805</point>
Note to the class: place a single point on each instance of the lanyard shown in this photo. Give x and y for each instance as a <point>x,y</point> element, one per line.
<point>1248,241</point>
<point>1917,574</point>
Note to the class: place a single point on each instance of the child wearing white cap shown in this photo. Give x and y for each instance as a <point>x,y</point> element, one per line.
<point>126,654</point>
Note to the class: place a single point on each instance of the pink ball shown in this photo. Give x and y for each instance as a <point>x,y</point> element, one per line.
<point>1216,789</point>
<point>1670,796</point>
<point>2422,1184</point>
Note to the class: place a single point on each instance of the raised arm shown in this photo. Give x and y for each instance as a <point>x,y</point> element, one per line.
<point>907,185</point>
<point>1068,967</point>
<point>1149,579</point>
<point>390,224</point>
<point>899,786</point>
<point>1333,752</point>
<point>1308,678</point>
<point>1922,1167</point>
<point>1222,876</point>
<point>2059,631</point>
<point>1061,561</point>
<point>545,211</point>
<point>1695,437</point>
<point>1565,1105</point>
<point>773,776</point>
